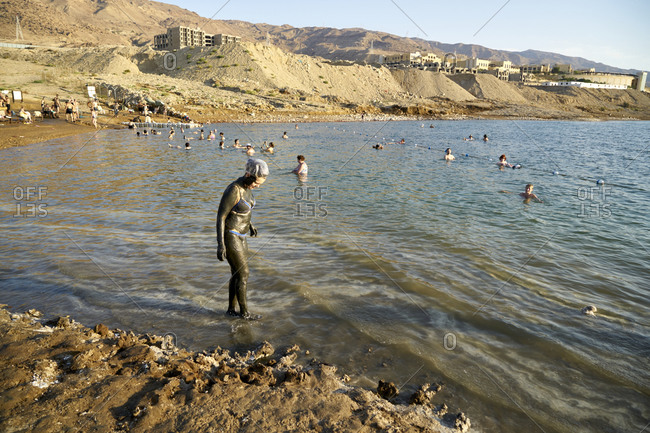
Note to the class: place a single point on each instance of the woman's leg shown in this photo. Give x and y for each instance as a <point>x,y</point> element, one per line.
<point>237,255</point>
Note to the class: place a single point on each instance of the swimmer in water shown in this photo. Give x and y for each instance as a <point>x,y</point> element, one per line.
<point>249,150</point>
<point>485,137</point>
<point>302,168</point>
<point>237,145</point>
<point>378,146</point>
<point>528,194</point>
<point>448,155</point>
<point>470,138</point>
<point>503,163</point>
<point>269,149</point>
<point>233,225</point>
<point>187,146</point>
<point>284,135</point>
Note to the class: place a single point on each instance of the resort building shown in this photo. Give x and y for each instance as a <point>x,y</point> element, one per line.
<point>563,67</point>
<point>430,59</point>
<point>502,69</point>
<point>536,69</point>
<point>399,59</point>
<point>181,37</point>
<point>473,63</point>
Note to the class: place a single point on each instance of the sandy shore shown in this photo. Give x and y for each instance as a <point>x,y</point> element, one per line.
<point>17,134</point>
<point>59,376</point>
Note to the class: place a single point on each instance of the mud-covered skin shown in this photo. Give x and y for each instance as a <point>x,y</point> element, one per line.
<point>235,215</point>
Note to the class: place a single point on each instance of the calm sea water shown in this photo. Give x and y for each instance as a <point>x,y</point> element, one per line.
<point>390,263</point>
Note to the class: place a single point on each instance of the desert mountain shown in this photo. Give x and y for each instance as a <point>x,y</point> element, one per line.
<point>135,22</point>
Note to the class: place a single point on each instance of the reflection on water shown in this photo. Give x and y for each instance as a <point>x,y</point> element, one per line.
<point>386,262</point>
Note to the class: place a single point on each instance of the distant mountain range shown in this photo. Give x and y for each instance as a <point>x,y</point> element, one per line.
<point>135,22</point>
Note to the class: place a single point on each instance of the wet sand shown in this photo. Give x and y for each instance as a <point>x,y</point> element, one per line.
<point>18,134</point>
<point>58,375</point>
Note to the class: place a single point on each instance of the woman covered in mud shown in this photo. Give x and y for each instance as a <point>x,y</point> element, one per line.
<point>233,225</point>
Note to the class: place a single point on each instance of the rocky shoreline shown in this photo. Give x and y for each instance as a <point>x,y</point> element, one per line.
<point>59,375</point>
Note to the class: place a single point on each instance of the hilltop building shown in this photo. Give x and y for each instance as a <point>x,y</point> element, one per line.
<point>413,59</point>
<point>536,69</point>
<point>563,67</point>
<point>502,69</point>
<point>474,63</point>
<point>181,37</point>
<point>506,71</point>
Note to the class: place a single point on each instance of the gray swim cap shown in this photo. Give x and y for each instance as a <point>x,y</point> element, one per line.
<point>257,167</point>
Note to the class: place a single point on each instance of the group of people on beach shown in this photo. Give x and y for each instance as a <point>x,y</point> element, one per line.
<point>51,110</point>
<point>72,112</point>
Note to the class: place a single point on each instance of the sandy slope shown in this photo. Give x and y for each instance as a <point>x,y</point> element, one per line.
<point>256,82</point>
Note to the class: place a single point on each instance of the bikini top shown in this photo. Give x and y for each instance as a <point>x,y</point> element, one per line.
<point>243,207</point>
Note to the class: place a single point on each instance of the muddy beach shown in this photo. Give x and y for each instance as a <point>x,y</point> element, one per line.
<point>59,375</point>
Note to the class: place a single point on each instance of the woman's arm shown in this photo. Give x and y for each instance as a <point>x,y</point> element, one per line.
<point>229,199</point>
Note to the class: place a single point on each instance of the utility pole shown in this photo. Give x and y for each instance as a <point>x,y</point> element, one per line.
<point>19,31</point>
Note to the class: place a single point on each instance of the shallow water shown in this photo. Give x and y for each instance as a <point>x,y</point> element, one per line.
<point>390,263</point>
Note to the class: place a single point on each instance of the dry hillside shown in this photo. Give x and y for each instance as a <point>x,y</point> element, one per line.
<point>485,86</point>
<point>256,79</point>
<point>429,84</point>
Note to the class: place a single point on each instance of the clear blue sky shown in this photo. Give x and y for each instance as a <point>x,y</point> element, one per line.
<point>616,33</point>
